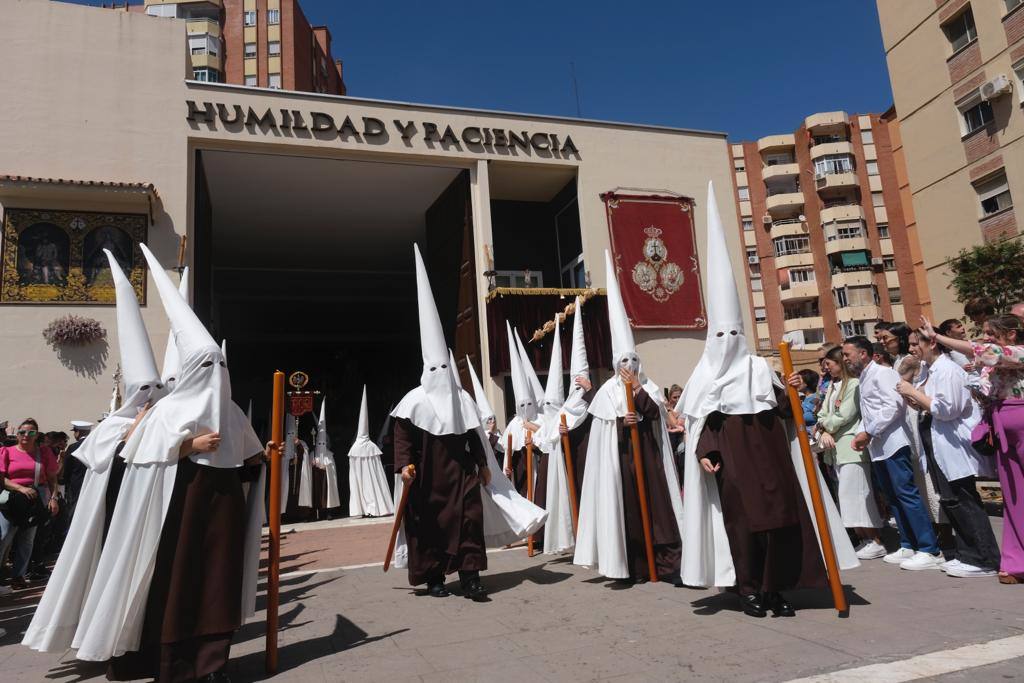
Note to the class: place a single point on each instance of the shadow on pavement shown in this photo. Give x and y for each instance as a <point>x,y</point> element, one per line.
<point>728,601</point>
<point>496,583</point>
<point>82,671</point>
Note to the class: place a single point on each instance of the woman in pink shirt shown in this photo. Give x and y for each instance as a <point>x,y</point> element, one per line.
<point>31,471</point>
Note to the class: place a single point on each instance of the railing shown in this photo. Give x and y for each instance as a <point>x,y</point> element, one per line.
<point>786,221</point>
<point>807,313</point>
<point>793,190</point>
<point>832,169</point>
<point>835,203</point>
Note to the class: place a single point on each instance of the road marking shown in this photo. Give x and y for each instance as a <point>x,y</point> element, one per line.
<point>931,664</point>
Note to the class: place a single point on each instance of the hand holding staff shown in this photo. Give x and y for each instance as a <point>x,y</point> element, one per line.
<point>570,475</point>
<point>399,515</point>
<point>641,485</point>
<point>811,470</point>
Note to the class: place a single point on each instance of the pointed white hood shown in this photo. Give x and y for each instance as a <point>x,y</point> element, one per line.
<point>526,407</point>
<point>578,363</point>
<point>438,405</point>
<point>172,360</point>
<point>138,370</point>
<point>322,452</point>
<point>554,390</point>
<point>362,447</point>
<point>483,406</point>
<point>224,349</point>
<point>201,401</point>
<point>727,378</point>
<point>536,388</point>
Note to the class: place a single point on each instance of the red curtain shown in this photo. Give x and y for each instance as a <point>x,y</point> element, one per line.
<point>528,312</point>
<point>653,247</point>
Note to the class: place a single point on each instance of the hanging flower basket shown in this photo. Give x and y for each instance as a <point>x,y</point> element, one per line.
<point>73,330</point>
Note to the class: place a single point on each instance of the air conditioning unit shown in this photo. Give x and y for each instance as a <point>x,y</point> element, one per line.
<point>802,218</point>
<point>1000,85</point>
<point>876,261</point>
<point>753,259</point>
<point>766,219</point>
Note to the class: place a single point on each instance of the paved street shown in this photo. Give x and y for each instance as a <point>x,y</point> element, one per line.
<point>551,621</point>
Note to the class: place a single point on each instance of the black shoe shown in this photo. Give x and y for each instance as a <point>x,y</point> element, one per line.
<point>37,575</point>
<point>778,605</point>
<point>752,605</point>
<point>437,590</point>
<point>475,591</point>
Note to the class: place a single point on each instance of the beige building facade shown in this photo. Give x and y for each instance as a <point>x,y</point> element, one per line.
<point>956,68</point>
<point>298,212</point>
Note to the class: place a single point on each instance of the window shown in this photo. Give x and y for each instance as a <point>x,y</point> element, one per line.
<point>883,231</point>
<point>249,18</point>
<point>207,75</point>
<point>778,158</point>
<point>169,11</point>
<point>961,30</point>
<point>1012,4</point>
<point>274,47</point>
<point>889,262</point>
<point>814,336</point>
<point>760,315</point>
<point>756,284</point>
<point>744,194</point>
<point>853,328</point>
<point>748,224</point>
<point>738,165</point>
<point>801,275</point>
<point>203,44</point>
<point>825,139</point>
<point>1018,70</point>
<point>273,16</point>
<point>994,194</point>
<point>843,231</point>
<point>764,344</point>
<point>872,167</point>
<point>525,279</point>
<point>753,262</point>
<point>877,199</point>
<point>791,245</point>
<point>866,137</point>
<point>250,50</point>
<point>834,163</point>
<point>274,81</point>
<point>250,80</point>
<point>808,309</point>
<point>895,295</point>
<point>975,116</point>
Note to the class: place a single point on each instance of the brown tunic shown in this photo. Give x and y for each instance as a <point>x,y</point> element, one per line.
<point>664,528</point>
<point>770,533</point>
<point>195,599</point>
<point>578,440</point>
<point>444,517</point>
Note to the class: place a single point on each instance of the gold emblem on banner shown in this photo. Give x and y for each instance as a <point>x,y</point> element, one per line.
<point>656,275</point>
<point>300,402</point>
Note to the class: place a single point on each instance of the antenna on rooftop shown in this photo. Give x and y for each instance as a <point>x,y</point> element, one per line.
<point>575,88</point>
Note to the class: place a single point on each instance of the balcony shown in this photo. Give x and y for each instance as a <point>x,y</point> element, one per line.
<point>852,278</point>
<point>206,60</point>
<point>842,212</point>
<point>813,322</point>
<point>827,121</point>
<point>780,171</point>
<point>825,148</point>
<point>800,291</point>
<point>794,260</point>
<point>846,244</point>
<point>203,26</point>
<point>831,181</point>
<point>845,314</point>
<point>785,201</point>
<point>776,143</point>
<point>788,226</point>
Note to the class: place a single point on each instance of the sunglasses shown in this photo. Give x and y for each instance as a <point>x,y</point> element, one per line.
<point>27,432</point>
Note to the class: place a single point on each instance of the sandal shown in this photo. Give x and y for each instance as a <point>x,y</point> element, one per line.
<point>1010,578</point>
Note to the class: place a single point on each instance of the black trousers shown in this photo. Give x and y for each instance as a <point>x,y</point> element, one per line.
<point>975,541</point>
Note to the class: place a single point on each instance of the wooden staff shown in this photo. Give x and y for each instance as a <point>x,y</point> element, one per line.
<point>181,253</point>
<point>399,516</point>
<point>641,486</point>
<point>274,552</point>
<point>508,459</point>
<point>570,475</point>
<point>529,485</point>
<point>810,469</point>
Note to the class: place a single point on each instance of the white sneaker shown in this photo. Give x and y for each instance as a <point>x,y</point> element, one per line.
<point>898,556</point>
<point>947,564</point>
<point>872,550</point>
<point>920,561</point>
<point>969,571</point>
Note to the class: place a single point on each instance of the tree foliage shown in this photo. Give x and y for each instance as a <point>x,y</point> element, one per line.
<point>995,271</point>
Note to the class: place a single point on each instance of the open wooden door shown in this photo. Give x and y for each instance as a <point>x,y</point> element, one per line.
<point>451,260</point>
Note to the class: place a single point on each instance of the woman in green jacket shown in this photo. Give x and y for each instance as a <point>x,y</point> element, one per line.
<point>838,418</point>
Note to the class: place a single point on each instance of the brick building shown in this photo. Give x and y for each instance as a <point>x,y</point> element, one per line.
<point>826,244</point>
<point>262,43</point>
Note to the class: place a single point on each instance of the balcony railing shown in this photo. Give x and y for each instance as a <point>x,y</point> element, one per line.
<point>782,190</point>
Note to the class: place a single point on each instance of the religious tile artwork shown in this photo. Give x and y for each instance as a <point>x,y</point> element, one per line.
<point>57,256</point>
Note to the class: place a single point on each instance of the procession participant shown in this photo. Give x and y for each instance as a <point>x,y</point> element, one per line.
<point>524,423</point>
<point>539,486</point>
<point>369,493</point>
<point>610,535</point>
<point>172,359</point>
<point>454,507</point>
<point>324,471</point>
<point>299,460</point>
<point>746,504</point>
<point>56,617</point>
<point>74,468</point>
<point>486,413</point>
<point>175,558</point>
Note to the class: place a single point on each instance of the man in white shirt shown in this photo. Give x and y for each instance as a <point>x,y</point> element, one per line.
<point>883,431</point>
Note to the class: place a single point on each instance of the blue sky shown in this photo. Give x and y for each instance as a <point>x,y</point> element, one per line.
<point>749,68</point>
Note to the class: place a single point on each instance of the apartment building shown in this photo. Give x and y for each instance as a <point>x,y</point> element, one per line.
<point>263,43</point>
<point>956,68</point>
<point>825,236</point>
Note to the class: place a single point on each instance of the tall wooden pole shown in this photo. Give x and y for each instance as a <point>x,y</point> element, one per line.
<point>570,475</point>
<point>529,485</point>
<point>274,563</point>
<point>399,516</point>
<point>811,470</point>
<point>641,486</point>
<point>508,459</point>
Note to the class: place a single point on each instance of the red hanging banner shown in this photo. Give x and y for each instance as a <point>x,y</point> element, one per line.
<point>654,249</point>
